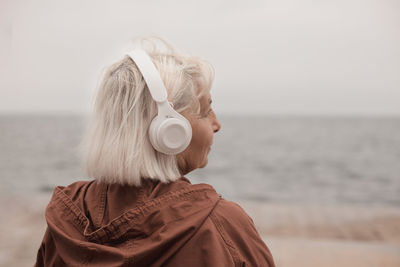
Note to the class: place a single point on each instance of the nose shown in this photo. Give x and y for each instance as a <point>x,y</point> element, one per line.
<point>216,124</point>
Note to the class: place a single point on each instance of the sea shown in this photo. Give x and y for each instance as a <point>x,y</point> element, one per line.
<point>269,159</point>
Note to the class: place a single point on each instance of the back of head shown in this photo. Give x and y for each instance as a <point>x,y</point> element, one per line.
<point>116,147</point>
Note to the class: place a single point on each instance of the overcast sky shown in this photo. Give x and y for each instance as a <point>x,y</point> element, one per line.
<point>338,57</point>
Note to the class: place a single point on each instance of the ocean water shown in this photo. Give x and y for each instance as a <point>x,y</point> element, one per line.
<point>326,160</point>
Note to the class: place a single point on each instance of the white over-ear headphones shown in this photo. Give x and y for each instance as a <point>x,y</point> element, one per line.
<point>170,132</point>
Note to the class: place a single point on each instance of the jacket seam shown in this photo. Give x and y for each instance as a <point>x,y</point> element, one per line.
<point>125,219</point>
<point>63,199</point>
<point>132,216</point>
<point>227,241</point>
<point>197,230</point>
<point>100,214</point>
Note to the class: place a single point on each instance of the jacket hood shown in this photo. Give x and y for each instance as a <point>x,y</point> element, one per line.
<point>101,224</point>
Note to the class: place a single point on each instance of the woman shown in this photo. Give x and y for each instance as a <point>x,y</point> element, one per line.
<point>140,210</point>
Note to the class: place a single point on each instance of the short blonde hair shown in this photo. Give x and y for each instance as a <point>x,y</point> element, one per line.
<point>116,147</point>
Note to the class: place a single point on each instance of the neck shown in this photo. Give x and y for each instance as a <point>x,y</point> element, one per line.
<point>183,166</point>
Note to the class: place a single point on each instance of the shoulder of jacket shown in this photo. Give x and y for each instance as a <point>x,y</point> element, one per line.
<point>74,188</point>
<point>232,223</point>
<point>240,234</point>
<point>231,211</point>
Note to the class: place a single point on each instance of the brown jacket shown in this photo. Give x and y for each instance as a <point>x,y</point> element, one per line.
<point>175,224</point>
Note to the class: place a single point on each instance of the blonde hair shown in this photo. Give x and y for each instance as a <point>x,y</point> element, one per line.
<point>116,147</point>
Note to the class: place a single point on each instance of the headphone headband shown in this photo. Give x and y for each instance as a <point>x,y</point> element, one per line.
<point>150,74</point>
<point>170,132</point>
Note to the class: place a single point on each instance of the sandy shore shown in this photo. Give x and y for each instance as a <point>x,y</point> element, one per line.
<point>297,235</point>
<point>306,252</point>
<point>358,223</point>
<point>329,235</point>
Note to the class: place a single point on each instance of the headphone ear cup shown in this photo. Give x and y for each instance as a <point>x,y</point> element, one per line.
<point>153,129</point>
<point>170,135</point>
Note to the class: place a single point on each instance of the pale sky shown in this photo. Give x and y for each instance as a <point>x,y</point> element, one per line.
<point>339,57</point>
